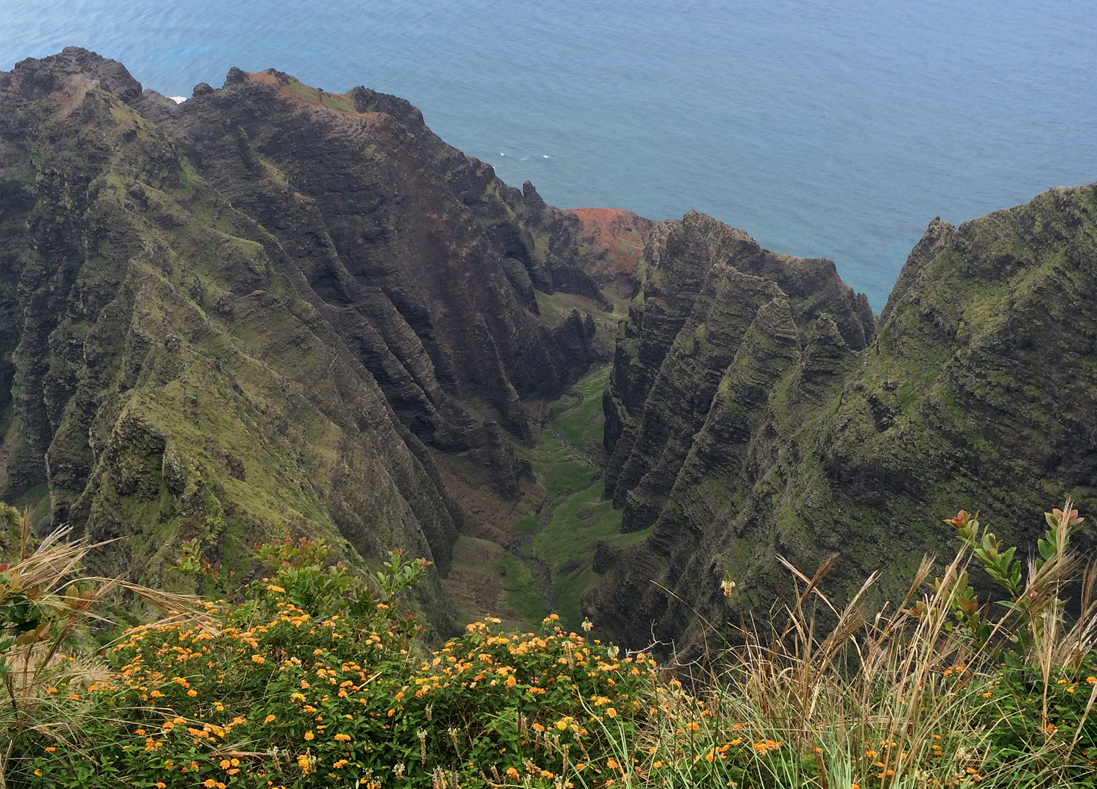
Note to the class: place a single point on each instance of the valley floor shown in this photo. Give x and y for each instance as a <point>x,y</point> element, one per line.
<point>524,561</point>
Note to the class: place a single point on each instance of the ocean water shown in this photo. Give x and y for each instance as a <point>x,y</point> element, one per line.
<point>824,128</point>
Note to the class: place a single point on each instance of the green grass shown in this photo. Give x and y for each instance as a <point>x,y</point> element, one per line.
<point>567,544</point>
<point>583,426</point>
<point>521,589</point>
<point>527,524</point>
<point>568,476</point>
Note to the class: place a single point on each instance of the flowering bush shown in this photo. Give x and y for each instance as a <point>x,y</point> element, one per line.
<point>314,677</point>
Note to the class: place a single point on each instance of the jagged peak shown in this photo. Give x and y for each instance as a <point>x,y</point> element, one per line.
<point>936,237</point>
<point>39,77</point>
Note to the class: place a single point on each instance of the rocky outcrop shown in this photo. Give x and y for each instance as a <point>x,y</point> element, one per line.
<point>259,313</point>
<point>975,391</point>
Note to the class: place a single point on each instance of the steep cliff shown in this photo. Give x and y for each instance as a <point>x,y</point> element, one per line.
<point>975,390</point>
<point>260,313</point>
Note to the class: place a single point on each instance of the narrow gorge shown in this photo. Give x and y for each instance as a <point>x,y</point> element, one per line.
<point>272,311</point>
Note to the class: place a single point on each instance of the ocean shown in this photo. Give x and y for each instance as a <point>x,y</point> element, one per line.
<point>824,128</point>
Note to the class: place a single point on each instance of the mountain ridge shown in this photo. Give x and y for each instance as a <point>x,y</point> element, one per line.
<point>273,311</point>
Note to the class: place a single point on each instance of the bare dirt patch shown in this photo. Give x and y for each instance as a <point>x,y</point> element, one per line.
<point>616,237</point>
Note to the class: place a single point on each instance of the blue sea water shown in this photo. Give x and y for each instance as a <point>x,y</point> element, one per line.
<point>833,128</point>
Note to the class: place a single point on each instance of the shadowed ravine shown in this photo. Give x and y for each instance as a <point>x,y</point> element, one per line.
<point>548,507</point>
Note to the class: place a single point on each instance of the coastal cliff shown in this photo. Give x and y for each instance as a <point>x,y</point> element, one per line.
<point>808,431</point>
<point>273,312</point>
<point>262,313</point>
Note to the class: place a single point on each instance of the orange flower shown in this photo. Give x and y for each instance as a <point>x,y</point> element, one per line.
<point>309,735</point>
<point>268,719</point>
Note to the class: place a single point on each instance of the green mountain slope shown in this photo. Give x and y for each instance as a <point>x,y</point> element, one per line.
<point>976,391</point>
<point>262,313</point>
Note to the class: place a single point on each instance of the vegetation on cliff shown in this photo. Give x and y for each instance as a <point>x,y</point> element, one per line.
<point>771,419</point>
<point>264,313</point>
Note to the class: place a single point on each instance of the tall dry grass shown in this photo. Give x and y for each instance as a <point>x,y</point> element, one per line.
<point>45,599</point>
<point>832,697</point>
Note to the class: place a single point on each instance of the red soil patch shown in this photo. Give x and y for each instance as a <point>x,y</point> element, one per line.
<point>302,94</point>
<point>617,237</point>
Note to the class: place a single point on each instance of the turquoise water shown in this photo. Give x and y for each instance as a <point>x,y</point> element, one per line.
<point>835,129</point>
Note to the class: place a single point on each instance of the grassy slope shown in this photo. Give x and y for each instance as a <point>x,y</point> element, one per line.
<point>556,308</point>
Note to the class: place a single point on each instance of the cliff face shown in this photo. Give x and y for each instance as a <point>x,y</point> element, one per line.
<point>821,435</point>
<point>270,310</point>
<point>704,289</point>
<point>259,313</point>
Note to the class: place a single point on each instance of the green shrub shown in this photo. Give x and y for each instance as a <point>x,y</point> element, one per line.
<point>313,676</point>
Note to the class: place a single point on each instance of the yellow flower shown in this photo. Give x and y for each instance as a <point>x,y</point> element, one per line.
<point>258,659</point>
<point>209,783</point>
<point>268,719</point>
<point>512,773</point>
<point>192,693</point>
<point>611,712</point>
<point>309,735</point>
